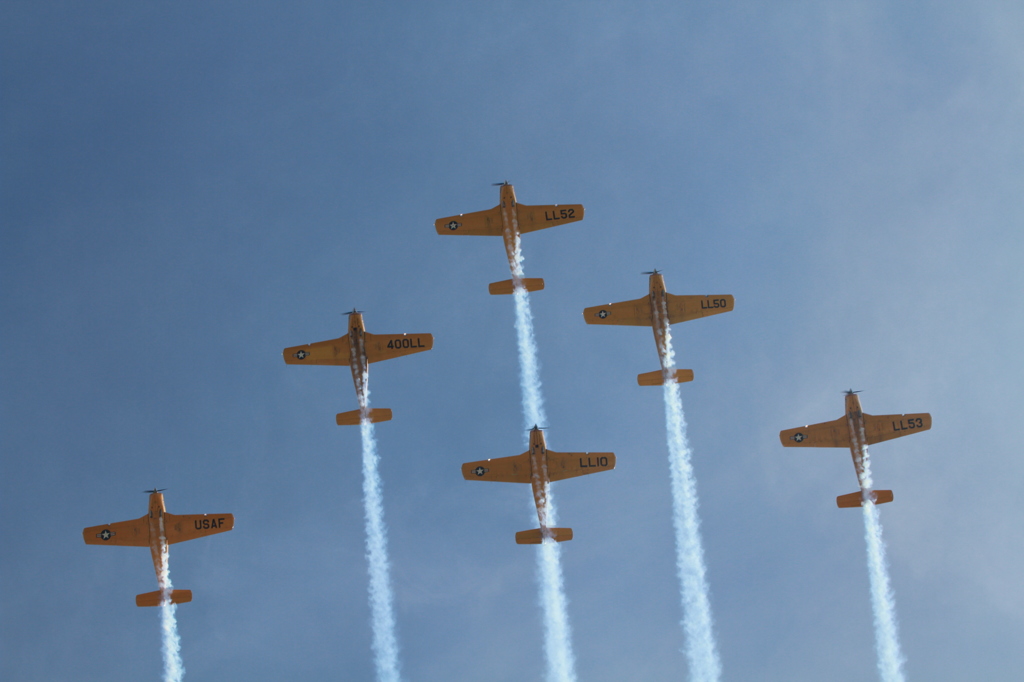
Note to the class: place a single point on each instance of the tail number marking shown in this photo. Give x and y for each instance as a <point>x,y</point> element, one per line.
<point>560,214</point>
<point>594,462</point>
<point>711,303</point>
<point>406,343</point>
<point>907,425</point>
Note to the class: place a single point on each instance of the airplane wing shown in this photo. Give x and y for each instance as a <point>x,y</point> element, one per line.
<point>387,346</point>
<point>562,465</point>
<point>182,527</point>
<point>636,312</point>
<point>333,352</point>
<point>825,435</point>
<point>133,533</point>
<point>533,218</point>
<point>683,308</point>
<point>880,427</point>
<point>505,469</point>
<point>481,223</point>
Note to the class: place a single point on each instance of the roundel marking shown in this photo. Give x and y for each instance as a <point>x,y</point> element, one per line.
<point>798,437</point>
<point>602,314</point>
<point>454,225</point>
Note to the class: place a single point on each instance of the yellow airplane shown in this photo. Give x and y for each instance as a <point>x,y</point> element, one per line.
<point>539,466</point>
<point>156,530</point>
<point>853,430</point>
<point>658,310</point>
<point>509,220</point>
<point>358,349</point>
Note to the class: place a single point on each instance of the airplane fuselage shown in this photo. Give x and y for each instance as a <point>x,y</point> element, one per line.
<point>659,312</point>
<point>157,534</point>
<point>510,231</point>
<point>357,355</point>
<point>539,475</point>
<point>855,421</point>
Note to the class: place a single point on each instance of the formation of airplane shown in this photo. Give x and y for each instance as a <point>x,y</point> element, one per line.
<point>539,466</point>
<point>855,430</point>
<point>357,350</point>
<point>157,530</point>
<point>508,220</point>
<point>658,310</point>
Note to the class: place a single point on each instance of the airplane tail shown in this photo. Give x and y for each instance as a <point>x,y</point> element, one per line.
<point>506,287</point>
<point>857,499</point>
<point>377,414</point>
<point>153,598</point>
<point>657,378</point>
<point>536,536</point>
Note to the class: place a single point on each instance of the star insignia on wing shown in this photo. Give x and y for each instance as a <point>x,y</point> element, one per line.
<point>105,534</point>
<point>602,314</point>
<point>798,437</point>
<point>454,225</point>
<point>301,355</point>
<point>480,471</point>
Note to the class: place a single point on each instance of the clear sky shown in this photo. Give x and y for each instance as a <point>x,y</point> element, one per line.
<point>190,187</point>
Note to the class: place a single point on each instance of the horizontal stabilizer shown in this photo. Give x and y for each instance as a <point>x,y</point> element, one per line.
<point>536,536</point>
<point>153,598</point>
<point>507,287</point>
<point>657,378</point>
<point>377,414</point>
<point>857,499</point>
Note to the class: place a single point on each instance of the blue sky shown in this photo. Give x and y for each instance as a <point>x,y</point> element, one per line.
<point>188,188</point>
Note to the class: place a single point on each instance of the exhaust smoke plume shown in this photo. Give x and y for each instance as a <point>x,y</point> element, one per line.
<point>385,640</point>
<point>701,648</point>
<point>883,601</point>
<point>174,669</point>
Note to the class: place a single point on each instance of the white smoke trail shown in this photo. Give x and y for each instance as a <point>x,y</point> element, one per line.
<point>529,367</point>
<point>557,632</point>
<point>883,601</point>
<point>174,669</point>
<point>701,649</point>
<point>554,604</point>
<point>385,641</point>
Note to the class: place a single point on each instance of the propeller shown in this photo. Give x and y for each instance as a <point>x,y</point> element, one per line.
<point>652,272</point>
<point>538,428</point>
<point>354,312</point>
<point>850,391</point>
<point>500,184</point>
<point>155,490</point>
